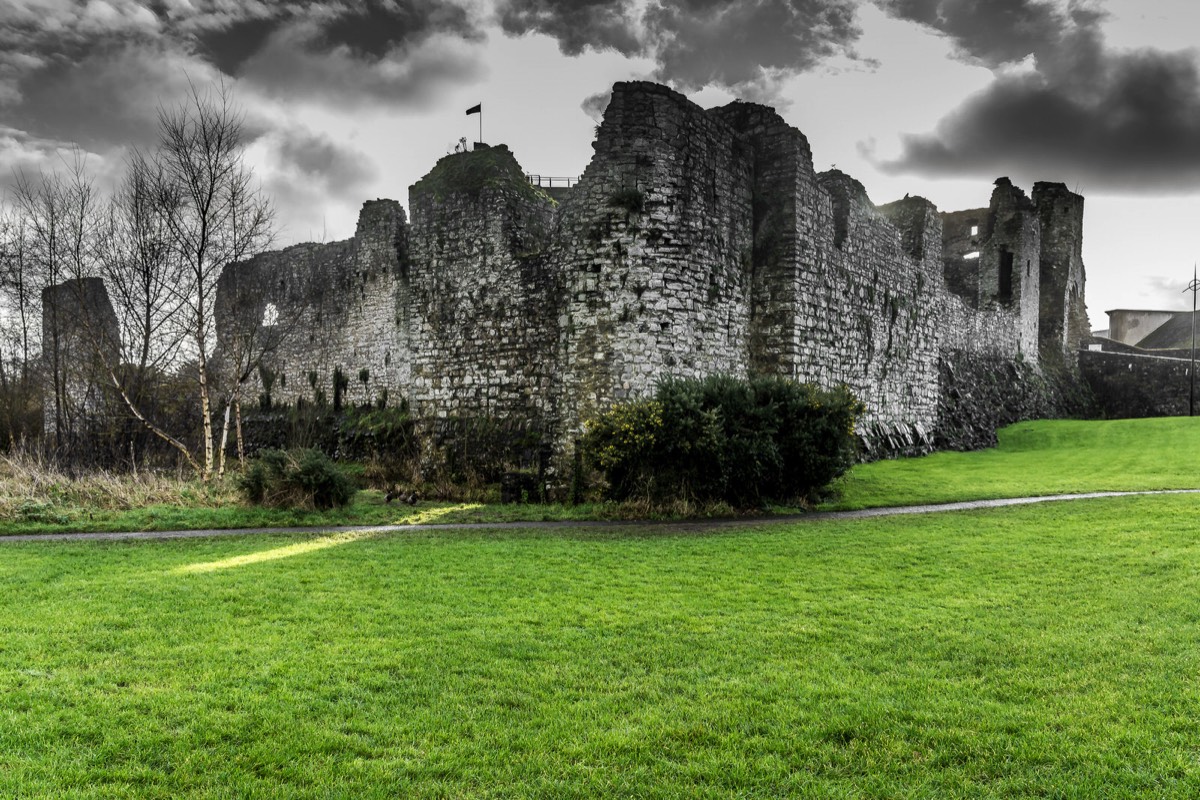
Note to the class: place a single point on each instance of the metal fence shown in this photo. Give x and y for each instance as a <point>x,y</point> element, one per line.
<point>548,182</point>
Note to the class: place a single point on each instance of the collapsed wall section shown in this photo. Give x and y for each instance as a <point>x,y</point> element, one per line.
<point>312,310</point>
<point>655,247</point>
<point>991,259</point>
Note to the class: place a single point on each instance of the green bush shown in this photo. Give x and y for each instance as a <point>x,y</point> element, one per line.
<point>744,442</point>
<point>385,438</point>
<point>296,479</point>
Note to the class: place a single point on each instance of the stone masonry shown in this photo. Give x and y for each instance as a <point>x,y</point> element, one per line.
<point>697,241</point>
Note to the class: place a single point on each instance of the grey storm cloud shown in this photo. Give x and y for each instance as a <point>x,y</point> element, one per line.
<point>93,71</point>
<point>315,158</point>
<point>746,45</point>
<point>991,32</point>
<point>311,171</point>
<point>578,25</point>
<point>1109,120</point>
<point>349,53</point>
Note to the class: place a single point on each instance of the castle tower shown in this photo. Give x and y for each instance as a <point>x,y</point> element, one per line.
<point>1063,312</point>
<point>992,258</point>
<point>484,308</point>
<point>79,334</point>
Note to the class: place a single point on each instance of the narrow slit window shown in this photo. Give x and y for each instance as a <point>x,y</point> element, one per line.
<point>971,256</point>
<point>974,230</point>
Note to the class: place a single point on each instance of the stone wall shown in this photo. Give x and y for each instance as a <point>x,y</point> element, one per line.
<point>483,317</point>
<point>697,241</point>
<point>311,309</point>
<point>1134,385</point>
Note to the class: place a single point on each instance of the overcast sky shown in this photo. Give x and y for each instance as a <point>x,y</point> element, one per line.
<point>348,101</point>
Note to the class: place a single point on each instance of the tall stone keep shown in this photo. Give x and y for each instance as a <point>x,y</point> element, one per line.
<point>80,339</point>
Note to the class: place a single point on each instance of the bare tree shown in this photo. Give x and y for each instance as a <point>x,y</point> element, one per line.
<point>212,215</point>
<point>42,206</point>
<point>252,333</point>
<point>19,309</point>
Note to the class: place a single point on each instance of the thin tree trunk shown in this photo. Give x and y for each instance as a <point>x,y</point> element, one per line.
<point>205,412</point>
<point>166,437</point>
<point>241,443</point>
<point>224,439</point>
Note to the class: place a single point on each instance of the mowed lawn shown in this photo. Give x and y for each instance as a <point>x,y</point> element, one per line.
<point>1047,651</point>
<point>1038,458</point>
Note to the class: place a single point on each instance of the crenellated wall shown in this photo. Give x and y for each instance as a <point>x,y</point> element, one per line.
<point>697,241</point>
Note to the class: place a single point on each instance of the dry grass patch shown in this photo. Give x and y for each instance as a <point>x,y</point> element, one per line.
<point>32,490</point>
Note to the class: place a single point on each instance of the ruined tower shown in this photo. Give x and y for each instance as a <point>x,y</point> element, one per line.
<point>80,337</point>
<point>1063,316</point>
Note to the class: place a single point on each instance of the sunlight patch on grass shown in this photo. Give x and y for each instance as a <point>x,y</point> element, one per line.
<point>290,550</point>
<point>434,515</point>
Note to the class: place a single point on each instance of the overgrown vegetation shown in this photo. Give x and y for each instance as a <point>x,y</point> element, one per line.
<point>472,171</point>
<point>296,479</point>
<point>629,198</point>
<point>745,442</point>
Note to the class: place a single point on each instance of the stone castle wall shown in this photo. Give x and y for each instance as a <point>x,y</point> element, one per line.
<point>484,307</point>
<point>319,307</point>
<point>697,241</point>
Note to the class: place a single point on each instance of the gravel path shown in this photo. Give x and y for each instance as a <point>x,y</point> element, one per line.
<point>685,525</point>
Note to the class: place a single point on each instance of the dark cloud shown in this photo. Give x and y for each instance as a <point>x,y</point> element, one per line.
<point>744,45</point>
<point>327,166</point>
<point>310,174</point>
<point>414,74</point>
<point>991,32</point>
<point>703,42</point>
<point>1108,120</point>
<point>595,105</point>
<point>578,25</point>
<point>381,51</point>
<point>106,96</point>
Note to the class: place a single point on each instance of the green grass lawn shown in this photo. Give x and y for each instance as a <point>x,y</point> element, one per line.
<point>1038,458</point>
<point>1045,651</point>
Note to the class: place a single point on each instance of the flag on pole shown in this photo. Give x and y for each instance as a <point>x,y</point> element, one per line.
<point>476,109</point>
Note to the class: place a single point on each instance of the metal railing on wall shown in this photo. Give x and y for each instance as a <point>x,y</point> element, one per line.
<point>549,182</point>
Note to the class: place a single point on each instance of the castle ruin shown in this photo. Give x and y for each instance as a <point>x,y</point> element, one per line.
<point>696,242</point>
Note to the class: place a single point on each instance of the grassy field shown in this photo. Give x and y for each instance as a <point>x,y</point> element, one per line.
<point>1048,457</point>
<point>1045,651</point>
<point>1038,458</point>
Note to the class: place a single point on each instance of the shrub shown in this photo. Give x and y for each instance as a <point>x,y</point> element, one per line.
<point>296,479</point>
<point>724,439</point>
<point>385,438</point>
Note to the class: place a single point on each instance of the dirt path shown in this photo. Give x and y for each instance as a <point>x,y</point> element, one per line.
<point>696,525</point>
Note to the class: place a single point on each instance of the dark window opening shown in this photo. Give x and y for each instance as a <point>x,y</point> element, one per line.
<point>1006,276</point>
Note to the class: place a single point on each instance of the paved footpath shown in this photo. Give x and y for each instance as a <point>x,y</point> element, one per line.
<point>684,525</point>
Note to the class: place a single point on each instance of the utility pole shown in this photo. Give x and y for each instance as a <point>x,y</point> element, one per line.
<point>1193,286</point>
